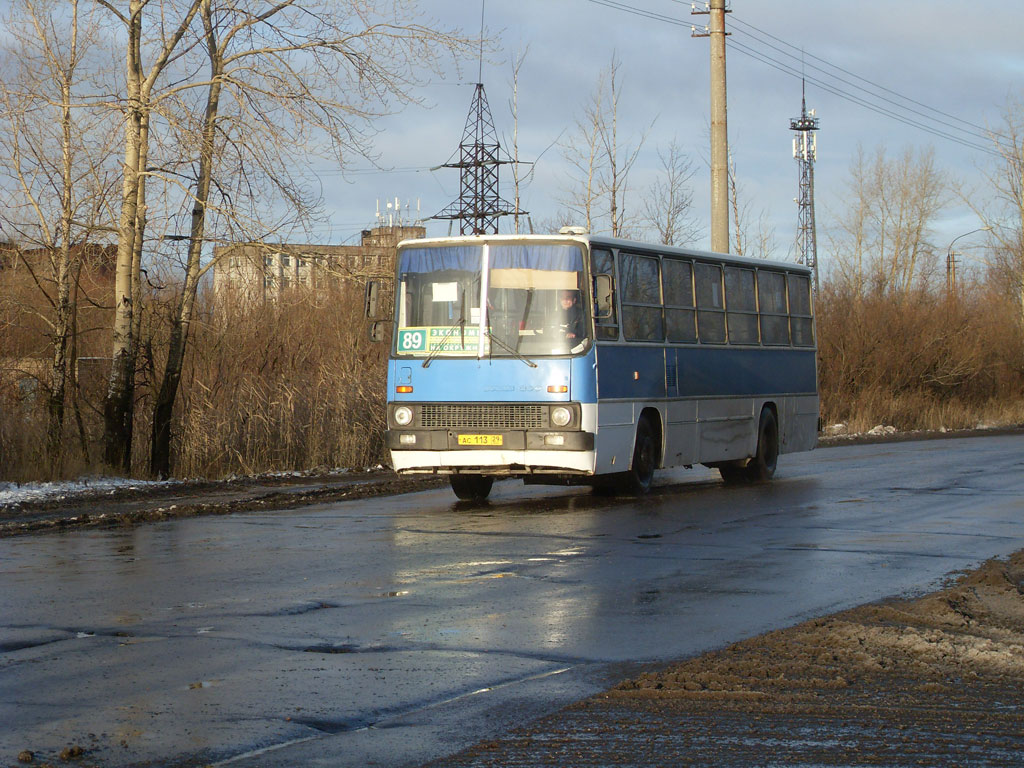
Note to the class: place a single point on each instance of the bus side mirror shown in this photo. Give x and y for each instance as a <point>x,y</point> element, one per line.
<point>377,331</point>
<point>372,299</point>
<point>604,291</point>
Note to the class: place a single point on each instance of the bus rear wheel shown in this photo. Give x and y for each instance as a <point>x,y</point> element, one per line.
<point>471,487</point>
<point>761,467</point>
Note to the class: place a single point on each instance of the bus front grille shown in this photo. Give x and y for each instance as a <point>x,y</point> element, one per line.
<point>483,417</point>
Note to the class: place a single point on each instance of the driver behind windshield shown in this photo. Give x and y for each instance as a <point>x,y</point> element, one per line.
<point>571,322</point>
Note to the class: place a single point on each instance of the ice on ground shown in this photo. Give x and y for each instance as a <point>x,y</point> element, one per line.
<point>882,429</point>
<point>12,494</point>
<point>19,493</point>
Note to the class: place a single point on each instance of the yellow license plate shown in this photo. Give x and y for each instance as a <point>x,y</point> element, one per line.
<point>480,440</point>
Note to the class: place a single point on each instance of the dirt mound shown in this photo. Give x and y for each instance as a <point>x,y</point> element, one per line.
<point>931,681</point>
<point>973,629</point>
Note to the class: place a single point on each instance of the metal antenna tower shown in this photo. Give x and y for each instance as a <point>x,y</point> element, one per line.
<point>805,149</point>
<point>479,156</point>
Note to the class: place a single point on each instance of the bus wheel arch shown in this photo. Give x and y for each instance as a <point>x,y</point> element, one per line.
<point>760,467</point>
<point>647,450</point>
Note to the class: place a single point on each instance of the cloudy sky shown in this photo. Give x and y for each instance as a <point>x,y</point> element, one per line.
<point>912,73</point>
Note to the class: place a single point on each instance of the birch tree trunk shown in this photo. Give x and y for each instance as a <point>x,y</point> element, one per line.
<point>43,149</point>
<point>62,267</point>
<point>118,408</point>
<point>163,410</point>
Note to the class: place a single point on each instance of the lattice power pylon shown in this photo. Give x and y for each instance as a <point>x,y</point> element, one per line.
<point>479,156</point>
<point>805,149</point>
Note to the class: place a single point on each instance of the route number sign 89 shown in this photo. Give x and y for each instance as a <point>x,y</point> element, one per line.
<point>412,340</point>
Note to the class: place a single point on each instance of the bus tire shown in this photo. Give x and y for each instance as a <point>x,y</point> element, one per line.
<point>471,487</point>
<point>733,473</point>
<point>761,467</point>
<point>645,459</point>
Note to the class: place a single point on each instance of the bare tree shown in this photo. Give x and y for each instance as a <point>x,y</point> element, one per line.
<point>619,157</point>
<point>883,243</point>
<point>321,71</point>
<point>668,202</point>
<point>750,238</point>
<point>53,150</point>
<point>146,59</point>
<point>518,177</point>
<point>600,160</point>
<point>583,152</point>
<point>1005,218</point>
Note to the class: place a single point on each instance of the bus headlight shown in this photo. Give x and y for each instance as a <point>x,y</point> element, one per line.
<point>561,416</point>
<point>403,415</point>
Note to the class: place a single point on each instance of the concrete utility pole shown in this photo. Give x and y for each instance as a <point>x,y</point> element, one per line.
<point>719,128</point>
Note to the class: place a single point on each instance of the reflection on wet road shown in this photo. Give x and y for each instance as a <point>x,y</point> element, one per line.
<point>398,629</point>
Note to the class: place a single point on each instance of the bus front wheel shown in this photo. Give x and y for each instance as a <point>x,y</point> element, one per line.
<point>645,459</point>
<point>471,487</point>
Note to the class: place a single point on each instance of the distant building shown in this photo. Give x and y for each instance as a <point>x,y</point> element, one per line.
<point>263,271</point>
<point>26,351</point>
<point>98,261</point>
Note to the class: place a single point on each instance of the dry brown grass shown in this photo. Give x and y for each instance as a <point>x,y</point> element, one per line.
<point>289,385</point>
<point>297,385</point>
<point>920,361</point>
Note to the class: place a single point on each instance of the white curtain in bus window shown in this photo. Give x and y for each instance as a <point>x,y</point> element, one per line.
<point>641,298</point>
<point>800,310</point>
<point>439,286</point>
<point>710,307</point>
<point>741,302</point>
<point>680,317</point>
<point>603,263</point>
<point>771,297</point>
<point>527,284</point>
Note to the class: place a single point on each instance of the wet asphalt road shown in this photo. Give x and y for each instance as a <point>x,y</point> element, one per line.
<point>395,630</point>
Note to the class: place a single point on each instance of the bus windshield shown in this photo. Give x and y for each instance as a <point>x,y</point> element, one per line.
<point>531,293</point>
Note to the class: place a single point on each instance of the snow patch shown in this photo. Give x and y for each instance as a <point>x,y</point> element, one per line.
<point>19,493</point>
<point>13,494</point>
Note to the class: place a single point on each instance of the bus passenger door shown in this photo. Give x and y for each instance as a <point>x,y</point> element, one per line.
<point>680,415</point>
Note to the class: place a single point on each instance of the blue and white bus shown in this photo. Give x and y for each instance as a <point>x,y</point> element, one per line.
<point>576,358</point>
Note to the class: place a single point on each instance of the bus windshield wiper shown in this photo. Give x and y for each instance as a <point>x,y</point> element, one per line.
<point>447,335</point>
<point>508,348</point>
<point>460,325</point>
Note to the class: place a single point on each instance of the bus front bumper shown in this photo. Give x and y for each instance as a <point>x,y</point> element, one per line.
<point>509,452</point>
<point>515,440</point>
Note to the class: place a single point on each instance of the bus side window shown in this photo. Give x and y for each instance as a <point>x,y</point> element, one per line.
<point>741,302</point>
<point>710,307</point>
<point>604,296</point>
<point>680,317</point>
<point>641,298</point>
<point>771,296</point>
<point>800,310</point>
<point>603,263</point>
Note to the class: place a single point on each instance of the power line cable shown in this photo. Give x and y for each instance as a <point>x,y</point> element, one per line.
<point>737,20</point>
<point>365,171</point>
<point>873,84</point>
<point>644,13</point>
<point>972,134</point>
<point>827,87</point>
<point>830,88</point>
